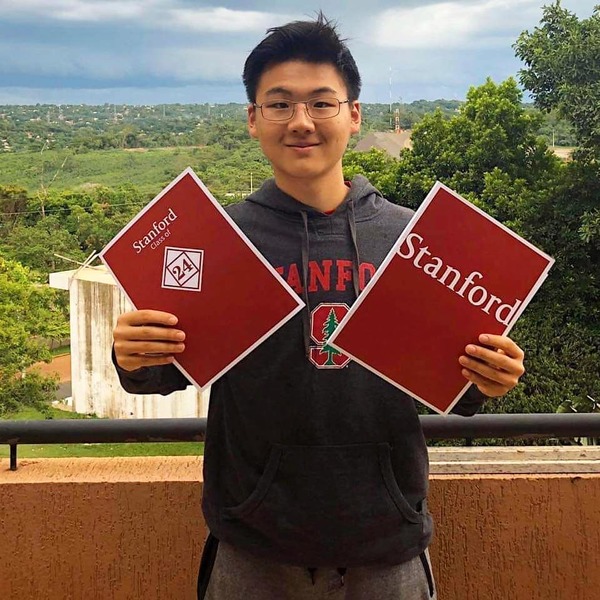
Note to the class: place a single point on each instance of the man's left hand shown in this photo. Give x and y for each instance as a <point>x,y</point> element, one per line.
<point>495,366</point>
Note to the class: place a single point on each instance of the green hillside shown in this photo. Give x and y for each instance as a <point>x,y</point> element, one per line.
<point>147,169</point>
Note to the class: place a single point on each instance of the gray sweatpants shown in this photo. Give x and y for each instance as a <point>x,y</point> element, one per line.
<point>237,575</point>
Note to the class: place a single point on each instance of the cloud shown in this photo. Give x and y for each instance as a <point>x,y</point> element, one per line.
<point>57,60</point>
<point>75,10</point>
<point>173,64</point>
<point>155,14</point>
<point>207,92</point>
<point>169,50</point>
<point>128,42</point>
<point>224,19</point>
<point>193,64</point>
<point>453,24</point>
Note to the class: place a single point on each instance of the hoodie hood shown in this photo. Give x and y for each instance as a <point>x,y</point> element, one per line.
<point>362,202</point>
<point>362,195</point>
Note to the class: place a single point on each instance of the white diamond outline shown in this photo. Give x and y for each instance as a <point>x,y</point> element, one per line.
<point>199,269</point>
<point>184,253</point>
<point>183,256</point>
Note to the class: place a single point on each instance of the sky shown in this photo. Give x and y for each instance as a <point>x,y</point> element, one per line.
<point>190,51</point>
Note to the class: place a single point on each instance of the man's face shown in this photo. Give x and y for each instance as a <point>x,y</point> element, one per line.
<point>303,148</point>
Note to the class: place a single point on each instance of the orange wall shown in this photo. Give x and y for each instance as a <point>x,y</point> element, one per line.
<point>131,528</point>
<point>517,537</point>
<point>100,529</point>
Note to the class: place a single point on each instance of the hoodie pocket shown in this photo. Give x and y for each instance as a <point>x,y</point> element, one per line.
<point>316,496</point>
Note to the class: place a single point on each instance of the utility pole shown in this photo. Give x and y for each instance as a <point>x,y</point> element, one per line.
<point>390,97</point>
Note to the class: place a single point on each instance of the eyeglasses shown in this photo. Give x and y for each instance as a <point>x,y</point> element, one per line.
<point>317,108</point>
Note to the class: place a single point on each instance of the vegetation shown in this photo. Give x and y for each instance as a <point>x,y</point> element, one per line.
<point>106,450</point>
<point>82,129</point>
<point>562,70</point>
<point>29,313</point>
<point>72,176</point>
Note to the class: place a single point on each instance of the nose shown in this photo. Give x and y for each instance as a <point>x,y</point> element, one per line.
<point>300,120</point>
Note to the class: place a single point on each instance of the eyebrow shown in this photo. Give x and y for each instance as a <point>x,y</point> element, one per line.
<point>281,91</point>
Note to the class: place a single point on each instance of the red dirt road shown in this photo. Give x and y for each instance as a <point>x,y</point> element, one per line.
<point>60,365</point>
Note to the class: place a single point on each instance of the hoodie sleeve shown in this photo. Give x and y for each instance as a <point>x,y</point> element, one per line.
<point>470,403</point>
<point>163,379</point>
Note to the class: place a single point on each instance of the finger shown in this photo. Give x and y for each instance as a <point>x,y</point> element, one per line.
<point>502,342</point>
<point>137,348</point>
<point>148,332</point>
<point>147,317</point>
<point>485,385</point>
<point>497,359</point>
<point>132,363</point>
<point>506,378</point>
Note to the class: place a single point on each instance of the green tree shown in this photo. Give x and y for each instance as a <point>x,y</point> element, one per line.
<point>378,167</point>
<point>13,203</point>
<point>36,246</point>
<point>491,131</point>
<point>562,71</point>
<point>30,315</point>
<point>562,327</point>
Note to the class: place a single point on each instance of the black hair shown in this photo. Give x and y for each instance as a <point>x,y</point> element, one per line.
<point>309,41</point>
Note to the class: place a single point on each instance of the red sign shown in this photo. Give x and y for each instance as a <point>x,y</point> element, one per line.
<point>453,274</point>
<point>183,254</point>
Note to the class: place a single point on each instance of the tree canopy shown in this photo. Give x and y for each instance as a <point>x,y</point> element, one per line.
<point>562,71</point>
<point>30,315</point>
<point>78,183</point>
<point>491,134</point>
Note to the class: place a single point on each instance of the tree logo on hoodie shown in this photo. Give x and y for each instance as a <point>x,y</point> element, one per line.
<point>323,321</point>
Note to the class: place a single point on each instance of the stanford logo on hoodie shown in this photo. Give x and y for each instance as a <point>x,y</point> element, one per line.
<point>323,321</point>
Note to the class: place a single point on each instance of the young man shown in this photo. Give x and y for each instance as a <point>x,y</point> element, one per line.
<point>315,472</point>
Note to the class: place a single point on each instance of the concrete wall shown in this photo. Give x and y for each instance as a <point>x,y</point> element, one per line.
<point>128,528</point>
<point>95,304</point>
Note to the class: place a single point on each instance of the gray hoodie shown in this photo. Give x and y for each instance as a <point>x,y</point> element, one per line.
<point>311,459</point>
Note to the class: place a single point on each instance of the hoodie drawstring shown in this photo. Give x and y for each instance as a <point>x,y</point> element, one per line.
<point>305,255</point>
<point>306,312</point>
<point>356,261</point>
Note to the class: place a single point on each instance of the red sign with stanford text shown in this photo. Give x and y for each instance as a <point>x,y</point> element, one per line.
<point>183,254</point>
<point>453,274</point>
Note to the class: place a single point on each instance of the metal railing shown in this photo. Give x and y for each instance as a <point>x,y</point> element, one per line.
<point>438,427</point>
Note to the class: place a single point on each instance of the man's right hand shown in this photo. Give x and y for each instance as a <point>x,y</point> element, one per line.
<point>146,338</point>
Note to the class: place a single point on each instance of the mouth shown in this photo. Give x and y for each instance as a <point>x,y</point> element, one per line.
<point>303,145</point>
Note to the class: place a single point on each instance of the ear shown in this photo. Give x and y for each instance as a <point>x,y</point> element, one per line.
<point>252,121</point>
<point>355,117</point>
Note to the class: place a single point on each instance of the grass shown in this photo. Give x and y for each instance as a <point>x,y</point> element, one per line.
<point>94,450</point>
<point>106,450</point>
